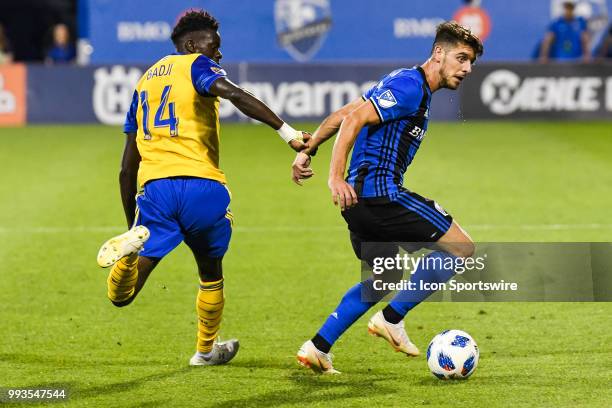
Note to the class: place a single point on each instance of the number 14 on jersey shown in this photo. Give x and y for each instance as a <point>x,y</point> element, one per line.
<point>159,121</point>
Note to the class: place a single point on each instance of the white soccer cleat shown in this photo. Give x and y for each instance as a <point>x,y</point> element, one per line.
<point>313,358</point>
<point>128,243</point>
<point>395,334</point>
<point>222,352</point>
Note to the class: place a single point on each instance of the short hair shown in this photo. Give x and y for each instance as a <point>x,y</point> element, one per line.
<point>453,33</point>
<point>193,20</point>
<point>569,4</point>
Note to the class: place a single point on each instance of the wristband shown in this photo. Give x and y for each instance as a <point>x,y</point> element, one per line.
<point>287,133</point>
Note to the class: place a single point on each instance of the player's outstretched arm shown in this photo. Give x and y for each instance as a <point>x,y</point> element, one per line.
<point>343,193</point>
<point>331,124</point>
<point>327,128</point>
<point>256,109</point>
<point>128,177</point>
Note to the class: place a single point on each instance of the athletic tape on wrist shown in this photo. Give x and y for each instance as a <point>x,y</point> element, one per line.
<point>287,133</point>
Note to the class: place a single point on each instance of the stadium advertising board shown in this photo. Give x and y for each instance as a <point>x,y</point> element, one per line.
<point>60,94</point>
<point>296,92</point>
<point>12,95</point>
<point>310,92</point>
<point>538,92</point>
<point>138,31</point>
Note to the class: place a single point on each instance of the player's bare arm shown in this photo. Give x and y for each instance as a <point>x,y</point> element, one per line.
<point>128,177</point>
<point>256,109</point>
<point>343,193</point>
<point>208,43</point>
<point>328,128</point>
<point>331,125</point>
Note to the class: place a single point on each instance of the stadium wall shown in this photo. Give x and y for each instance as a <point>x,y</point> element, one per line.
<point>297,31</point>
<point>305,92</point>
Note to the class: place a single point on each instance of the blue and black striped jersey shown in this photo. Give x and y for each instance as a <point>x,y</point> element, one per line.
<point>383,152</point>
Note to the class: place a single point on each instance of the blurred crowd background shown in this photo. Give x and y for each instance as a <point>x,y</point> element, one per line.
<point>59,31</point>
<point>38,30</point>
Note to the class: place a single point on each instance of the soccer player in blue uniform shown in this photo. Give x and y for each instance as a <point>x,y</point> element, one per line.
<point>172,155</point>
<point>385,129</point>
<point>567,38</point>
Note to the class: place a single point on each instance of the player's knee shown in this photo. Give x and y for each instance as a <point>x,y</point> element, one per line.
<point>465,249</point>
<point>209,269</point>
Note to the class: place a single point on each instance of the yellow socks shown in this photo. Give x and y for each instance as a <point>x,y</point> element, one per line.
<point>209,306</point>
<point>122,278</point>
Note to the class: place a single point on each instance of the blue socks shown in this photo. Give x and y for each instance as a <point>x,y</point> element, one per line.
<point>406,300</point>
<point>352,307</point>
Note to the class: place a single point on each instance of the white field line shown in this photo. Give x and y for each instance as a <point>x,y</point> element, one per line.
<point>285,228</point>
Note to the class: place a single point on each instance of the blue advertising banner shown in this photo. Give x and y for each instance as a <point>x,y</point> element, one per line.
<point>295,92</point>
<point>59,94</point>
<point>309,92</point>
<point>138,31</point>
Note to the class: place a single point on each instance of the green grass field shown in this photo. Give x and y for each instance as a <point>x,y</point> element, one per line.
<point>289,263</point>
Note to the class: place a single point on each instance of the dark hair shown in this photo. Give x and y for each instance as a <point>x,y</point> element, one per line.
<point>193,20</point>
<point>569,4</point>
<point>452,33</point>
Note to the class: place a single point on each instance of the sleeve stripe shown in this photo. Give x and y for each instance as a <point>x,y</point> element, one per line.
<point>377,110</point>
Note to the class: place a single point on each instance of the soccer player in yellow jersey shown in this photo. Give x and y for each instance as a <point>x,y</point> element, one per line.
<point>172,155</point>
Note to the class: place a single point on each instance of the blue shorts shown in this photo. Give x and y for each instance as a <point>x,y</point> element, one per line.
<point>194,210</point>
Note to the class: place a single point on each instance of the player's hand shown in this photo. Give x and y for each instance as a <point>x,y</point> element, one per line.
<point>342,192</point>
<point>306,136</point>
<point>300,143</point>
<point>300,168</point>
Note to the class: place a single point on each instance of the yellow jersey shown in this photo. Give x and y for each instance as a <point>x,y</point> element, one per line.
<point>176,119</point>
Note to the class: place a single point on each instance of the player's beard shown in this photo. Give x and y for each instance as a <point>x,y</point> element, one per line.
<point>444,78</point>
<point>446,81</point>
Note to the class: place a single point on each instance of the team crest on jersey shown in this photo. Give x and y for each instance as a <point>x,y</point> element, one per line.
<point>218,70</point>
<point>386,100</point>
<point>302,25</point>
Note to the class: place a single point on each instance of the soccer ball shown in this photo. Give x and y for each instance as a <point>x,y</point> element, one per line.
<point>452,354</point>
